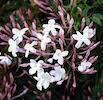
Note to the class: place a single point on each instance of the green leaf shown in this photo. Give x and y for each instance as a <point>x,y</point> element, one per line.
<point>100,16</point>
<point>100,2</point>
<point>96,19</point>
<point>85,11</point>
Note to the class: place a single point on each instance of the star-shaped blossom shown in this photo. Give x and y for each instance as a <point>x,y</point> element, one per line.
<point>5,60</point>
<point>59,56</point>
<point>88,33</point>
<point>84,66</point>
<point>58,73</point>
<point>29,48</point>
<point>44,40</point>
<point>13,47</point>
<point>35,66</point>
<point>51,28</point>
<point>81,38</point>
<point>18,34</point>
<point>43,78</point>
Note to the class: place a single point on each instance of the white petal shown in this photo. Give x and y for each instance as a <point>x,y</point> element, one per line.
<point>33,64</point>
<point>61,60</point>
<point>54,32</point>
<point>64,53</point>
<point>43,45</point>
<point>51,22</point>
<point>59,82</point>
<point>79,34</point>
<point>46,84</point>
<point>39,36</point>
<point>11,41</point>
<point>32,71</point>
<point>45,25</point>
<point>15,37</point>
<point>47,40</point>
<point>82,68</point>
<point>32,61</point>
<point>78,44</point>
<point>87,41</point>
<point>86,29</point>
<point>26,53</point>
<point>57,77</point>
<point>89,64</point>
<point>22,31</point>
<point>40,72</point>
<point>86,35</point>
<point>91,34</point>
<point>55,56</point>
<point>2,57</point>
<point>34,43</point>
<point>14,54</point>
<point>86,63</point>
<point>76,37</point>
<point>46,31</point>
<point>50,60</point>
<point>15,31</point>
<point>39,85</point>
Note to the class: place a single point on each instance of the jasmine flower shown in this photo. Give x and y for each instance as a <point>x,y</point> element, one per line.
<point>59,56</point>
<point>29,48</point>
<point>13,47</point>
<point>44,40</point>
<point>18,34</point>
<point>51,28</point>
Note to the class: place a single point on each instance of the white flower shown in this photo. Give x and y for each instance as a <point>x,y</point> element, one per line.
<point>58,73</point>
<point>84,66</point>
<point>5,60</point>
<point>81,39</point>
<point>51,28</point>
<point>29,48</point>
<point>35,66</point>
<point>88,33</point>
<point>43,78</point>
<point>18,34</point>
<point>91,32</point>
<point>58,55</point>
<point>44,40</point>
<point>13,47</point>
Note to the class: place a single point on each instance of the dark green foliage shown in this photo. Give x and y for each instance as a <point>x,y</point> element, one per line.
<point>8,6</point>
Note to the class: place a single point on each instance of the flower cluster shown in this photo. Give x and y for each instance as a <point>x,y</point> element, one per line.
<point>51,52</point>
